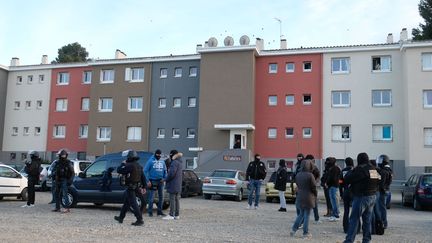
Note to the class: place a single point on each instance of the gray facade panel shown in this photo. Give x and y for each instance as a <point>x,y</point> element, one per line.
<point>3,91</point>
<point>170,117</point>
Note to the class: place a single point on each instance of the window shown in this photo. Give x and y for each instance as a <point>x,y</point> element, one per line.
<point>161,132</point>
<point>273,68</point>
<point>381,98</point>
<point>341,132</point>
<point>427,98</point>
<point>307,66</point>
<point>272,100</point>
<point>289,100</point>
<point>163,73</point>
<point>271,132</point>
<point>41,78</point>
<point>341,98</point>
<point>107,76</point>
<point>134,134</point>
<point>59,131</point>
<point>381,64</point>
<point>61,104</point>
<point>176,102</point>
<point>307,132</point>
<point>427,132</point>
<point>289,132</point>
<point>14,131</point>
<point>135,104</point>
<point>191,133</point>
<point>382,132</point>
<point>26,131</point>
<point>39,104</point>
<point>85,104</point>
<point>87,77</point>
<point>162,103</point>
<point>427,61</point>
<point>83,131</point>
<point>103,134</point>
<point>28,104</point>
<point>17,105</point>
<point>30,79</point>
<point>19,80</point>
<point>105,104</point>
<point>175,132</point>
<point>37,131</point>
<point>178,72</point>
<point>307,99</point>
<point>193,71</point>
<point>340,65</point>
<point>290,67</point>
<point>191,102</point>
<point>134,74</point>
<point>63,79</point>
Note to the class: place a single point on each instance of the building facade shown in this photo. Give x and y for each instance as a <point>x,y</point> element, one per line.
<point>3,92</point>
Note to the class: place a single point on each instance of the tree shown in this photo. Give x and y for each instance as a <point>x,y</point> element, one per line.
<point>424,32</point>
<point>71,53</point>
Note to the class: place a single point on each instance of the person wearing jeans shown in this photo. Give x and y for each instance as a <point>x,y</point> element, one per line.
<point>280,184</point>
<point>174,184</point>
<point>334,202</point>
<point>155,173</point>
<point>255,174</point>
<point>332,183</point>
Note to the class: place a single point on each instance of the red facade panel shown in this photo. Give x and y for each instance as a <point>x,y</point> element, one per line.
<point>73,117</point>
<point>299,83</point>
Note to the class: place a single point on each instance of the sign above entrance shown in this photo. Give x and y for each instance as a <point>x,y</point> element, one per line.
<point>232,158</point>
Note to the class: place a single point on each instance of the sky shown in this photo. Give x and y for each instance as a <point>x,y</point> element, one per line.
<point>143,28</point>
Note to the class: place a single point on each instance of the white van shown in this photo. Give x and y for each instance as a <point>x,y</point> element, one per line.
<point>12,183</point>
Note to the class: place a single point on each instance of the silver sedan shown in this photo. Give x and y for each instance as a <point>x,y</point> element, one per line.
<point>226,183</point>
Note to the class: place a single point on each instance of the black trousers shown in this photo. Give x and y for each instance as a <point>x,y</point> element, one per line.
<point>130,202</point>
<point>327,198</point>
<point>31,182</point>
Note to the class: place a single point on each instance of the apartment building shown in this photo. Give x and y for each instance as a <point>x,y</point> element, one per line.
<point>3,89</point>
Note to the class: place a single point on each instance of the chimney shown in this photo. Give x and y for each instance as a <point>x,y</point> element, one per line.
<point>119,54</point>
<point>283,44</point>
<point>198,46</point>
<point>14,62</point>
<point>404,35</point>
<point>259,44</point>
<point>44,59</point>
<point>389,38</point>
<point>206,44</point>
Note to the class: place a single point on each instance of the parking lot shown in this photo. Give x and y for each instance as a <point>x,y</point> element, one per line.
<point>201,220</point>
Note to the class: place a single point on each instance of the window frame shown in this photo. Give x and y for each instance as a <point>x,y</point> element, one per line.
<point>162,103</point>
<point>41,78</point>
<point>39,104</point>
<point>26,131</point>
<point>341,60</point>
<point>58,128</point>
<point>176,102</point>
<point>130,103</point>
<point>425,105</point>
<point>178,72</point>
<point>286,100</point>
<point>63,78</point>
<point>15,131</point>
<point>108,131</point>
<point>133,138</point>
<point>340,94</point>
<point>307,102</point>
<point>288,136</point>
<point>271,68</point>
<point>28,104</point>
<point>191,73</point>
<point>381,104</point>
<point>380,70</point>
<point>37,133</point>
<point>288,70</point>
<point>82,103</point>
<point>341,128</point>
<point>425,138</point>
<point>189,134</point>
<point>102,79</point>
<point>17,105</point>
<point>163,73</point>
<point>29,79</point>
<point>160,133</point>
<point>382,139</point>
<point>270,103</point>
<point>83,131</point>
<point>192,104</point>
<point>85,77</point>
<point>19,80</point>
<point>423,57</point>
<point>101,103</point>
<point>305,70</point>
<point>176,133</point>
<point>272,133</point>
<point>307,135</point>
<point>64,105</point>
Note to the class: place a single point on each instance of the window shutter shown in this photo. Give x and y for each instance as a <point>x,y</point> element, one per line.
<point>127,74</point>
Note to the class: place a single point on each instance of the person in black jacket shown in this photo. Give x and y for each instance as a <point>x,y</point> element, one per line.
<point>332,184</point>
<point>64,174</point>
<point>280,184</point>
<point>135,184</point>
<point>346,192</point>
<point>383,188</point>
<point>32,168</point>
<point>255,174</point>
<point>363,181</point>
<point>325,188</point>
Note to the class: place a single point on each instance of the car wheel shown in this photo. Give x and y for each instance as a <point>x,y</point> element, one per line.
<point>165,205</point>
<point>184,192</point>
<point>207,196</point>
<point>416,204</point>
<point>404,202</point>
<point>269,199</point>
<point>72,198</point>
<point>239,196</point>
<point>24,194</point>
<point>1,197</point>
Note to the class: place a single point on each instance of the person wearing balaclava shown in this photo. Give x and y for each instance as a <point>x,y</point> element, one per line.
<point>155,172</point>
<point>32,168</point>
<point>255,174</point>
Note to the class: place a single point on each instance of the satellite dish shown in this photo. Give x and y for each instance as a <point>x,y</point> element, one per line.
<point>228,41</point>
<point>212,42</point>
<point>244,40</point>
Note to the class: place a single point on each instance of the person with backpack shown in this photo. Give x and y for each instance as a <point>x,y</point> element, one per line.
<point>32,168</point>
<point>280,184</point>
<point>64,174</point>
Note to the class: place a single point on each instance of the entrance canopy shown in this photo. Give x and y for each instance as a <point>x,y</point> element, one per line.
<point>234,126</point>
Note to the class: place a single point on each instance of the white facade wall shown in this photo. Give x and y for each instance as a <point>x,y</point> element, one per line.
<point>26,117</point>
<point>361,115</point>
<point>417,117</point>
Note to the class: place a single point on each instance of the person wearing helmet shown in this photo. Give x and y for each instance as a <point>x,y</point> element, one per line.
<point>32,168</point>
<point>383,164</point>
<point>64,174</point>
<point>135,185</point>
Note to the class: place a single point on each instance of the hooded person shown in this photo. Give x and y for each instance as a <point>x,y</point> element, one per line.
<point>32,168</point>
<point>155,172</point>
<point>306,197</point>
<point>63,176</point>
<point>332,183</point>
<point>174,184</point>
<point>255,175</point>
<point>280,184</point>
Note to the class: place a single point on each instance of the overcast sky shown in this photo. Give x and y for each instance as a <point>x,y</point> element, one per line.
<point>142,28</point>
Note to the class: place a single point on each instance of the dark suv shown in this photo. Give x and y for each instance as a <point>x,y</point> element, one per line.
<point>89,185</point>
<point>418,191</point>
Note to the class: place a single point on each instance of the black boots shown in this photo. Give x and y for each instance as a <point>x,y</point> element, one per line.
<point>118,219</point>
<point>282,210</point>
<point>138,223</point>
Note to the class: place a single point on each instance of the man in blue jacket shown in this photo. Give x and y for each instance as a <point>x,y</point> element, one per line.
<point>155,173</point>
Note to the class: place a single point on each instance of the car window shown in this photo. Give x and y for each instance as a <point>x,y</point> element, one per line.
<point>273,177</point>
<point>414,180</point>
<point>427,180</point>
<point>115,163</point>
<point>222,173</point>
<point>193,175</point>
<point>83,165</point>
<point>7,172</point>
<point>96,169</point>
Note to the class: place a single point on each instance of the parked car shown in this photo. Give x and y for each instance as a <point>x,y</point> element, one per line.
<point>226,183</point>
<point>191,184</point>
<point>89,185</point>
<point>418,191</point>
<point>12,183</point>
<point>78,165</point>
<point>17,167</point>
<point>272,193</point>
<point>43,177</point>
